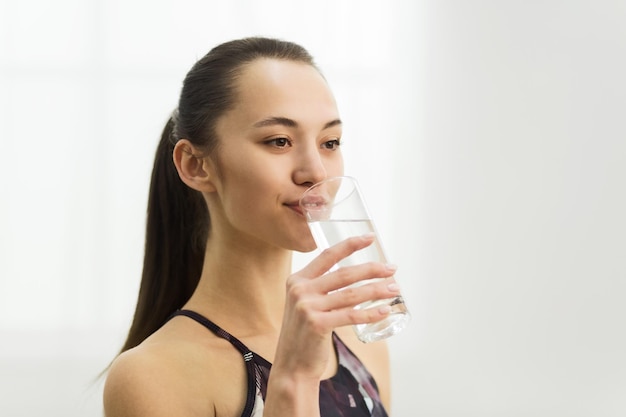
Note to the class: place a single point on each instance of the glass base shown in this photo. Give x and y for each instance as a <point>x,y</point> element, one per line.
<point>393,324</point>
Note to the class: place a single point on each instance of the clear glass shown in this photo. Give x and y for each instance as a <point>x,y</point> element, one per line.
<point>335,210</point>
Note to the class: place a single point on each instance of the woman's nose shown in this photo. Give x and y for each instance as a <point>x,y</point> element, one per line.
<point>310,168</point>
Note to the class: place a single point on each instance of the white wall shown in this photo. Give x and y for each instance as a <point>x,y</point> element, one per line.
<point>517,201</point>
<point>492,131</point>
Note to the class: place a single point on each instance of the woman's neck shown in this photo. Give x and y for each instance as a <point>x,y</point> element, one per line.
<point>241,280</point>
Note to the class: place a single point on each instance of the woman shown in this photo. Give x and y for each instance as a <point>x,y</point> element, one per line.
<point>256,125</point>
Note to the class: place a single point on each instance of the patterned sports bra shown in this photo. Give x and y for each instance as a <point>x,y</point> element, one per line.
<point>351,392</point>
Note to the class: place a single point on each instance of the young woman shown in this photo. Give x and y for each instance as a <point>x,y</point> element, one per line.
<point>256,125</point>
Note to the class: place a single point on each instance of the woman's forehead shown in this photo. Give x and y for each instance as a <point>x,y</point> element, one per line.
<point>281,88</point>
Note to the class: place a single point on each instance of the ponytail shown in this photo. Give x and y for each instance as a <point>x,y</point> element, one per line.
<point>176,233</point>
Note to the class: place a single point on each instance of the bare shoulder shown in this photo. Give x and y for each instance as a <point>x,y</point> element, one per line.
<point>152,380</point>
<point>174,373</point>
<point>132,386</point>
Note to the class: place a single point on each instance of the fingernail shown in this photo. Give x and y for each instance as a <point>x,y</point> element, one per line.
<point>393,287</point>
<point>368,236</point>
<point>391,267</point>
<point>384,310</point>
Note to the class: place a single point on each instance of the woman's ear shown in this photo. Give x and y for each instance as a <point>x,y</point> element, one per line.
<point>193,168</point>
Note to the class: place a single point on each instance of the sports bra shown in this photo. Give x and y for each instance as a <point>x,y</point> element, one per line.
<point>351,392</point>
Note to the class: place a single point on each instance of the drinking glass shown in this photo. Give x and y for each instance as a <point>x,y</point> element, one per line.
<point>335,210</point>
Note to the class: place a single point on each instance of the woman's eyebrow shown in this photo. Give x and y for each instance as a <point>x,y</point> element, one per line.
<point>336,122</point>
<point>272,121</point>
<point>285,121</point>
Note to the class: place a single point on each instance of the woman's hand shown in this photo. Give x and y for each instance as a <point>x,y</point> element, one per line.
<point>314,308</point>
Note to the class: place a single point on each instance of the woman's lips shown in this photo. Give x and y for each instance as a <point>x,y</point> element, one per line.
<point>295,207</point>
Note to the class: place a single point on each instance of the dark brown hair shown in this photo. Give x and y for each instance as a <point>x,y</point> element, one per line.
<point>178,220</point>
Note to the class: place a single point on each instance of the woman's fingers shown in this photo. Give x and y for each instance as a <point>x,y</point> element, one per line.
<point>319,301</point>
<point>321,315</point>
<point>350,275</point>
<point>351,316</point>
<point>331,256</point>
<point>324,310</point>
<point>351,297</point>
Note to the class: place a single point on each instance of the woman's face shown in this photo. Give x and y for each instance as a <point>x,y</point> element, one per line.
<point>281,137</point>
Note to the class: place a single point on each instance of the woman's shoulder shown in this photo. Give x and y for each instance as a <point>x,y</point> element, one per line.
<point>136,383</point>
<point>173,372</point>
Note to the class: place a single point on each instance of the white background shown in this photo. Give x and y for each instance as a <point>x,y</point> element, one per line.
<point>489,137</point>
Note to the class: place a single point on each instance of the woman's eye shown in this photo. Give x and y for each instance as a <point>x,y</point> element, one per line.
<point>279,142</point>
<point>332,144</point>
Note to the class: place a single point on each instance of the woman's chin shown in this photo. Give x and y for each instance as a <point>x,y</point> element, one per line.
<point>309,250</point>
<point>305,246</point>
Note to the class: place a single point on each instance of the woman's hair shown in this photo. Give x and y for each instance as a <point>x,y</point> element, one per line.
<point>178,220</point>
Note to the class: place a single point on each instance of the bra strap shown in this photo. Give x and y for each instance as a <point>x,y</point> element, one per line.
<point>243,349</point>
